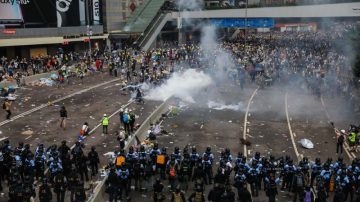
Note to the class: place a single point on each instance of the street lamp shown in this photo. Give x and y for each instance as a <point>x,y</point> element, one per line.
<point>246,25</point>
<point>89,34</point>
<point>89,29</point>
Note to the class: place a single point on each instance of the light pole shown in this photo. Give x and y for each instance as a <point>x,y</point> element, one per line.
<point>245,35</point>
<point>179,26</point>
<point>89,29</point>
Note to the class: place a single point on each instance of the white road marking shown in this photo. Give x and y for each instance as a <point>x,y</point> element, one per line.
<point>3,138</point>
<point>55,101</point>
<point>290,130</point>
<point>346,145</point>
<point>113,114</point>
<point>28,137</point>
<point>245,120</point>
<point>96,127</point>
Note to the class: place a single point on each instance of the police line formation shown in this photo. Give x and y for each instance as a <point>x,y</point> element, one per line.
<point>140,167</point>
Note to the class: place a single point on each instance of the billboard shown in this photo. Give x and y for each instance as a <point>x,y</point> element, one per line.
<point>96,12</point>
<point>67,13</point>
<point>50,13</point>
<point>39,13</point>
<point>240,22</point>
<point>10,13</point>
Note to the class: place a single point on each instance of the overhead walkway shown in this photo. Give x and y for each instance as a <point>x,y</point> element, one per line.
<point>308,11</point>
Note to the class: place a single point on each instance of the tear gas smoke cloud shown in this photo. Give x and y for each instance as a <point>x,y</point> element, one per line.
<point>183,85</point>
<point>222,106</point>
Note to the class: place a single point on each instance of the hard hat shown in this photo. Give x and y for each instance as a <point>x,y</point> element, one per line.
<point>343,131</point>
<point>104,114</point>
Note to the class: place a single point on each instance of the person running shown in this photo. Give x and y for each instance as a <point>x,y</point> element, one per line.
<point>63,116</point>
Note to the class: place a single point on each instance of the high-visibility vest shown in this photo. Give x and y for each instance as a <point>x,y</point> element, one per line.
<point>105,121</point>
<point>160,159</point>
<point>119,160</point>
<point>177,197</point>
<point>352,137</point>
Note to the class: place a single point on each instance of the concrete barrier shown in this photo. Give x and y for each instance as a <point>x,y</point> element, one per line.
<point>99,191</point>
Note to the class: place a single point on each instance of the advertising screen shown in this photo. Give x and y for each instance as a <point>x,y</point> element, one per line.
<point>50,13</point>
<point>39,13</point>
<point>10,13</point>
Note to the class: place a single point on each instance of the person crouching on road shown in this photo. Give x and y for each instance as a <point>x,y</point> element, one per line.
<point>105,124</point>
<point>84,131</point>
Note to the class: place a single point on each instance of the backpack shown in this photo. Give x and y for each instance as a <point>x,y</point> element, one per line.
<point>307,196</point>
<point>185,166</point>
<point>120,160</point>
<point>132,117</point>
<point>126,118</point>
<point>160,159</point>
<point>299,181</point>
<point>341,139</point>
<point>172,171</point>
<point>4,105</point>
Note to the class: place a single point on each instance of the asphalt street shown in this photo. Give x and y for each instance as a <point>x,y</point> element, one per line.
<point>42,126</point>
<point>275,119</point>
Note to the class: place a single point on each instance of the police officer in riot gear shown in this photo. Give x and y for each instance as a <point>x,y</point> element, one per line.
<point>45,194</point>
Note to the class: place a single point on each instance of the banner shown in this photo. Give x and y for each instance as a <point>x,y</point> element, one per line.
<point>82,12</point>
<point>96,12</point>
<point>240,22</point>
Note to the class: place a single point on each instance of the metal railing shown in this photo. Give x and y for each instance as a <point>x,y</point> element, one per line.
<point>150,28</point>
<point>221,4</point>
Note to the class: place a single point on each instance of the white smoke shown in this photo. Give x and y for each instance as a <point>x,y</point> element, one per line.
<point>190,4</point>
<point>183,85</point>
<point>216,56</point>
<point>222,106</point>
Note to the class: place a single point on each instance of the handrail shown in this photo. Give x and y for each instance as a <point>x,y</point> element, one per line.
<point>149,27</point>
<point>264,5</point>
<point>153,28</point>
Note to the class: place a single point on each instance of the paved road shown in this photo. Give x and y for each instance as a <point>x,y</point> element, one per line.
<point>88,106</point>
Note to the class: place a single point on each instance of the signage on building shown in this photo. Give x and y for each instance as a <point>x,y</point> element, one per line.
<point>12,2</point>
<point>96,12</point>
<point>9,31</point>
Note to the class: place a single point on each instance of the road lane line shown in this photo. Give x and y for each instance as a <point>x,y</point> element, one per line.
<point>55,101</point>
<point>96,127</point>
<point>346,145</point>
<point>113,114</point>
<point>289,125</point>
<point>245,120</point>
